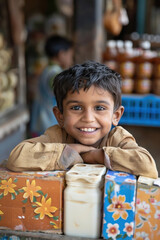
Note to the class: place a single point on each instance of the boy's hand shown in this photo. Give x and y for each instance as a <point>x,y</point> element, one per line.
<point>92,155</point>
<point>95,156</point>
<point>81,148</point>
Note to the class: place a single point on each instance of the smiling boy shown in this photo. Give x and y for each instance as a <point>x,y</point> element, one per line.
<point>88,104</point>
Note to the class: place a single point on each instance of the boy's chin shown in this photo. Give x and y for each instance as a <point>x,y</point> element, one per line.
<point>89,144</point>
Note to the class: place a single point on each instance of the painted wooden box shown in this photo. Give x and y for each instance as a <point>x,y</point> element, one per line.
<point>31,201</point>
<point>119,205</point>
<point>147,220</point>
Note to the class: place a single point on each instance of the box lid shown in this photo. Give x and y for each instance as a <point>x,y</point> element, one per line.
<point>121,177</point>
<point>149,181</point>
<point>4,173</point>
<point>91,173</point>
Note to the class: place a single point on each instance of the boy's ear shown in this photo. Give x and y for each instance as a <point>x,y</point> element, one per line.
<point>117,115</point>
<point>58,115</point>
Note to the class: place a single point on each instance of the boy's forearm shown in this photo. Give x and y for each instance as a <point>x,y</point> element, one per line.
<point>137,161</point>
<point>35,156</point>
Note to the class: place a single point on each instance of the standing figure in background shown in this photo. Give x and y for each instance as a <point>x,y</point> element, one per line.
<point>60,54</point>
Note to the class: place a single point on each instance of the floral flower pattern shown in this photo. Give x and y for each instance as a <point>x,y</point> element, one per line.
<point>119,207</point>
<point>113,230</point>
<point>8,186</point>
<point>128,229</point>
<point>142,236</point>
<point>1,211</point>
<point>143,207</point>
<point>31,190</point>
<point>45,208</point>
<point>121,174</point>
<point>157,214</point>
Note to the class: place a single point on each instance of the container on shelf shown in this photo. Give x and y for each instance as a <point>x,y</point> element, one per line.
<point>143,85</point>
<point>109,55</point>
<point>156,86</point>
<point>119,46</point>
<point>127,85</point>
<point>119,205</point>
<point>83,198</point>
<point>141,110</point>
<point>31,201</point>
<point>126,66</point>
<point>156,67</point>
<point>143,62</point>
<point>147,218</point>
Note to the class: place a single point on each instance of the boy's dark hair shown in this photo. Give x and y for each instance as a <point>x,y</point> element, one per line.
<point>55,43</point>
<point>84,76</point>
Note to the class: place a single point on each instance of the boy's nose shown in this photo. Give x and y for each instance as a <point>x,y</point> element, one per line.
<point>88,116</point>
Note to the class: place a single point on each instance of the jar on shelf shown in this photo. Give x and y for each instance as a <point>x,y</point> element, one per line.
<point>109,55</point>
<point>127,85</point>
<point>156,86</point>
<point>156,67</point>
<point>119,46</point>
<point>143,85</point>
<point>126,66</point>
<point>83,200</point>
<point>143,61</point>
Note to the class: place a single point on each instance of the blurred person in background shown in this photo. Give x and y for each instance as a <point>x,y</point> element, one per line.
<point>60,54</point>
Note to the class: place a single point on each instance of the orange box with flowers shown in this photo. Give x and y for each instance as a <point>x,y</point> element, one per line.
<point>31,201</point>
<point>147,220</point>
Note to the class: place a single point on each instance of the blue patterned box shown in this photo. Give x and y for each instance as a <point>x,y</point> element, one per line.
<point>119,205</point>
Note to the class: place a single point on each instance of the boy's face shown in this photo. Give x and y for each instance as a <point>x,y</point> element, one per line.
<point>88,115</point>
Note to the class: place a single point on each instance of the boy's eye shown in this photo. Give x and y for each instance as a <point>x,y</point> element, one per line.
<point>99,108</point>
<point>76,108</point>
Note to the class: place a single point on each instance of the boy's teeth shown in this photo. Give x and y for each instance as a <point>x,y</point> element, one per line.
<point>87,129</point>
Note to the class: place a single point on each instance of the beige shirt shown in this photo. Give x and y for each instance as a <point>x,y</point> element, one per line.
<point>50,152</point>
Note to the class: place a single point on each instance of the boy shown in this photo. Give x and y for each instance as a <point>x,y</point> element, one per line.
<point>60,55</point>
<point>88,104</point>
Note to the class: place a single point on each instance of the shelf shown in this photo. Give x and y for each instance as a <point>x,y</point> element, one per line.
<point>13,119</point>
<point>39,235</point>
<point>141,110</point>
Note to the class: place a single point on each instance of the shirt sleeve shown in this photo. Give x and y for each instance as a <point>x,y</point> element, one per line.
<point>69,158</point>
<point>36,154</point>
<point>125,155</point>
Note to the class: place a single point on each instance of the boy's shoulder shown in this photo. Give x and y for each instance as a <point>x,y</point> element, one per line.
<point>119,129</point>
<point>119,133</point>
<point>54,133</point>
<point>116,136</point>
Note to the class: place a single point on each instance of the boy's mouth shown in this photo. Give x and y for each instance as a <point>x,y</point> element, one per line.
<point>87,129</point>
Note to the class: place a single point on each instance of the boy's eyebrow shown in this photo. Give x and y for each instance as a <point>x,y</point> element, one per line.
<point>72,101</point>
<point>75,101</point>
<point>102,101</point>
